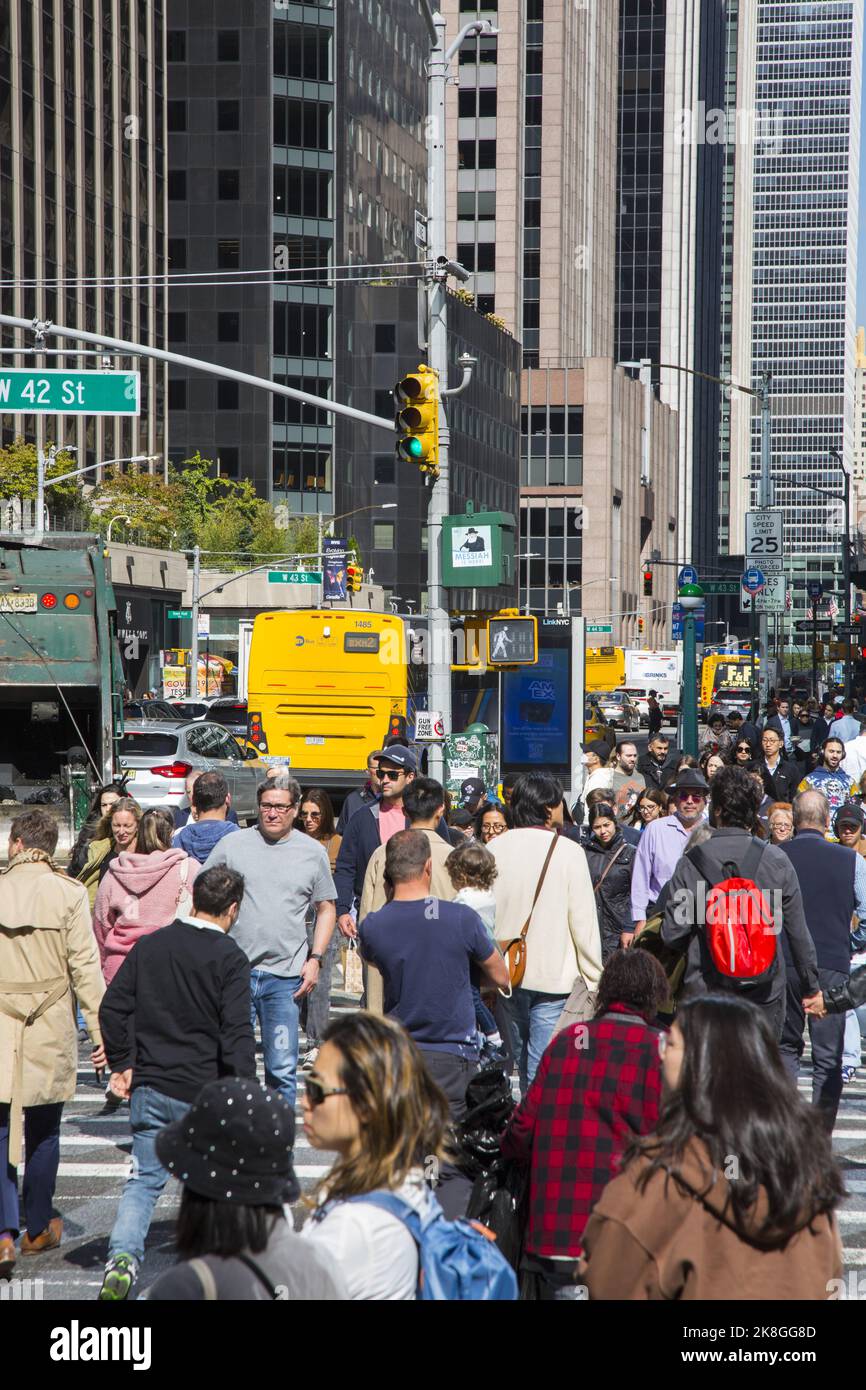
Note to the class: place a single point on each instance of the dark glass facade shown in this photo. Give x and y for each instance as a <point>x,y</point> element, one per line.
<point>81,198</point>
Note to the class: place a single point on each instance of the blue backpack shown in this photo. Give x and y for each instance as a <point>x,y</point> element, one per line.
<point>456,1262</point>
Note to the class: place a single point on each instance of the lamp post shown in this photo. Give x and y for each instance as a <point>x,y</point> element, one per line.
<point>690,597</point>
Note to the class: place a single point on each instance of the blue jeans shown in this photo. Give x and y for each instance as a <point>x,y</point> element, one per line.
<point>150,1111</point>
<point>532,1017</point>
<point>278,1013</point>
<point>42,1153</point>
<point>483,1017</point>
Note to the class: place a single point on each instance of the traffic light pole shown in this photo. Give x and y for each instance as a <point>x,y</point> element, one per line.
<point>439,63</point>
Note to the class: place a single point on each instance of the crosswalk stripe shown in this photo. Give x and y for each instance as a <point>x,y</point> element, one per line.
<point>121,1170</point>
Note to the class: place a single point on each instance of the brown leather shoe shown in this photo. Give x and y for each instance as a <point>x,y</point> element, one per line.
<point>49,1239</point>
<point>7,1257</point>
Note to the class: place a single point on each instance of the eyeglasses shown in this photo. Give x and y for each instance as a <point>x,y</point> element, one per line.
<point>311,815</point>
<point>690,796</point>
<point>494,829</point>
<point>392,773</point>
<point>316,1092</point>
<point>276,808</point>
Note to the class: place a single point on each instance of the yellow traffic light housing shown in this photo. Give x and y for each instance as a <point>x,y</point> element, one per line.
<point>417,419</point>
<point>354,578</point>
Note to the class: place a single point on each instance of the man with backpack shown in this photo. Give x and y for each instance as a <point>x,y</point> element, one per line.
<point>731,899</point>
<point>833,883</point>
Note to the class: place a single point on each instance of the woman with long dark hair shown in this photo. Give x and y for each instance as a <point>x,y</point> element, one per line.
<point>100,804</point>
<point>610,861</point>
<point>232,1152</point>
<point>316,819</point>
<point>733,1196</point>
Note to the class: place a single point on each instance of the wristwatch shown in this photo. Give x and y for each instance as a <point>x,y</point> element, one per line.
<point>314,955</point>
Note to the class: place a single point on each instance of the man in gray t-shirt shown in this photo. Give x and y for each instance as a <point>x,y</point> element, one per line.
<point>285,872</point>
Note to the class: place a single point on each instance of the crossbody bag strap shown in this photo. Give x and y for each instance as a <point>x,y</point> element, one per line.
<point>257,1270</point>
<point>608,866</point>
<point>205,1275</point>
<point>539,885</point>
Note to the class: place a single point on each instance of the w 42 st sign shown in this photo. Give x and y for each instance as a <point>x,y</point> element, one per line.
<point>69,393</point>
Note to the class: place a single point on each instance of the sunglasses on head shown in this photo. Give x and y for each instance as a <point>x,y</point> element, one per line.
<point>316,1092</point>
<point>392,773</point>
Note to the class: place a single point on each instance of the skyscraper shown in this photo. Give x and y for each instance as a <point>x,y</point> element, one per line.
<point>806,188</point>
<point>81,198</point>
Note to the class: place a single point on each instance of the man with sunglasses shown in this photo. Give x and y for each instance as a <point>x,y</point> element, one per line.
<point>662,845</point>
<point>285,874</point>
<point>371,827</point>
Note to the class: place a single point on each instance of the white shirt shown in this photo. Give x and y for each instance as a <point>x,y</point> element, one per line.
<point>854,762</point>
<point>371,1251</point>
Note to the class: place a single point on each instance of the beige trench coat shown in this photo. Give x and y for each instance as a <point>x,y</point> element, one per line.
<point>47,951</point>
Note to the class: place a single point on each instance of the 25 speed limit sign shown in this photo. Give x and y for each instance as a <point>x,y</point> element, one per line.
<point>764,540</point>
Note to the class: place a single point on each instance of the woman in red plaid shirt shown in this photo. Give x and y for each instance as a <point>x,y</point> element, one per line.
<point>597,1087</point>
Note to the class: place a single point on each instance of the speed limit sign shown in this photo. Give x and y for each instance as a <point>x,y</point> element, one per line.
<point>764,540</point>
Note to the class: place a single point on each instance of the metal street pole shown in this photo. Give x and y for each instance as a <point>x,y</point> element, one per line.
<point>438,618</point>
<point>815,647</point>
<point>847,571</point>
<point>690,707</point>
<point>752,634</point>
<point>196,597</point>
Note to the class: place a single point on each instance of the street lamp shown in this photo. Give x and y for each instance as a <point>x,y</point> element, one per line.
<point>690,597</point>
<point>373,507</point>
<point>42,482</point>
<point>128,521</point>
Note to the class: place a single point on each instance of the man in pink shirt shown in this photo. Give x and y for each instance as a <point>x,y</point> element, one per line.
<point>370,827</point>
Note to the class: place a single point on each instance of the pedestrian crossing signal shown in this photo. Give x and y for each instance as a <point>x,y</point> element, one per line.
<point>512,641</point>
<point>417,419</point>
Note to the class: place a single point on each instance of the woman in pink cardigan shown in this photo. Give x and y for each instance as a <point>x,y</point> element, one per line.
<point>142,892</point>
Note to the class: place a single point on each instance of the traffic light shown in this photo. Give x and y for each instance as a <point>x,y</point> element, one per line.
<point>397,726</point>
<point>647,581</point>
<point>640,624</point>
<point>417,419</point>
<point>354,578</point>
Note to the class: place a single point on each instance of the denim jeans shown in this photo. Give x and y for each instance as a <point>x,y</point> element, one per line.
<point>483,1017</point>
<point>42,1155</point>
<point>272,1002</point>
<point>150,1111</point>
<point>827,1035</point>
<point>532,1017</point>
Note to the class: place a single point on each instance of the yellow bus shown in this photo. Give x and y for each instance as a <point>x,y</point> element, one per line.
<point>724,671</point>
<point>325,688</point>
<point>604,668</point>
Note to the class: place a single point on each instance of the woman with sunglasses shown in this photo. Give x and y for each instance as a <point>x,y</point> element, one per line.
<point>371,1101</point>
<point>744,752</point>
<point>316,819</point>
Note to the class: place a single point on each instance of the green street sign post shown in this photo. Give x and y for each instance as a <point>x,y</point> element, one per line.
<point>599,627</point>
<point>294,576</point>
<point>178,613</point>
<point>69,393</point>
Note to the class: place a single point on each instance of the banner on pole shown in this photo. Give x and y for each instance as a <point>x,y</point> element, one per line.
<point>334,568</point>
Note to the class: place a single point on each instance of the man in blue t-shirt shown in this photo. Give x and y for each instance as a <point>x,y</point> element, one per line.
<point>425,948</point>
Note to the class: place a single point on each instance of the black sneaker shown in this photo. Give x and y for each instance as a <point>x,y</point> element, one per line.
<point>118,1279</point>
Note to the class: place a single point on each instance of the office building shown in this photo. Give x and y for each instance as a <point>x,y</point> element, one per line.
<point>82,194</point>
<point>858,453</point>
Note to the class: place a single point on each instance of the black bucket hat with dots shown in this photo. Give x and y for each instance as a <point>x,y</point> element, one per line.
<point>233,1145</point>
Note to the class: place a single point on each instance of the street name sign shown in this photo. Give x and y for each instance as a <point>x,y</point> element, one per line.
<point>178,613</point>
<point>721,586</point>
<point>764,539</point>
<point>294,576</point>
<point>599,627</point>
<point>816,625</point>
<point>69,393</point>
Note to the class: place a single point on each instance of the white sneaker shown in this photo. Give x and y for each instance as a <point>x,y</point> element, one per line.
<point>309,1060</point>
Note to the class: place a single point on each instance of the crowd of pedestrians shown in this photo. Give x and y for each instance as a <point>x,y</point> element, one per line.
<point>598,953</point>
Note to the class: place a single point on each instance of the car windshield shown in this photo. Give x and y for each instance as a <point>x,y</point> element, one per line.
<point>145,744</point>
<point>613,697</point>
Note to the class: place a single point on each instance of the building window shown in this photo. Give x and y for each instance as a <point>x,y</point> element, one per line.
<point>176,185</point>
<point>304,125</point>
<point>485,258</point>
<point>383,404</point>
<point>383,535</point>
<point>228,395</point>
<point>480,155</point>
<point>175,46</point>
<point>175,115</point>
<point>228,185</point>
<point>228,46</point>
<point>228,115</point>
<point>385,337</point>
<point>177,253</point>
<point>228,255</point>
<point>177,394</point>
<point>176,324</point>
<point>384,470</point>
<point>228,459</point>
<point>228,327</point>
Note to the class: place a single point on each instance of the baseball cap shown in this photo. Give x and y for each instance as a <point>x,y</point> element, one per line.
<point>849,815</point>
<point>472,789</point>
<point>399,757</point>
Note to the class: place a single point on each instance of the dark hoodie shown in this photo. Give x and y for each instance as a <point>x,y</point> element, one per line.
<point>613,899</point>
<point>677,1239</point>
<point>198,837</point>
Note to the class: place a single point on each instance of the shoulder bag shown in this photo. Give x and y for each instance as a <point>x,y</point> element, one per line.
<point>514,951</point>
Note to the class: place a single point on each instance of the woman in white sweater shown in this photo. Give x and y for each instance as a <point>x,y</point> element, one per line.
<point>562,940</point>
<point>370,1099</point>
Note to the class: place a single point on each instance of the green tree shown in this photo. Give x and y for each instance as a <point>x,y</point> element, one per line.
<point>18,476</point>
<point>152,506</point>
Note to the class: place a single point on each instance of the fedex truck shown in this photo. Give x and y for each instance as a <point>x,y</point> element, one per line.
<point>658,671</point>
